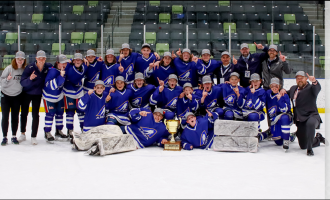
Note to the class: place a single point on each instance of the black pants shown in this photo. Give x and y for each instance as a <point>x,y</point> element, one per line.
<point>36,100</point>
<point>306,133</point>
<point>10,104</point>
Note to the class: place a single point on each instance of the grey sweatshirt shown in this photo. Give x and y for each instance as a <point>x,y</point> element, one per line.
<point>12,87</point>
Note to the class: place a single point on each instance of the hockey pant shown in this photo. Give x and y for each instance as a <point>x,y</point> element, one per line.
<point>70,109</point>
<point>53,109</point>
<point>281,130</point>
<point>230,115</point>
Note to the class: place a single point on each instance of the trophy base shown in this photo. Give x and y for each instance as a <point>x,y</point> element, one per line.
<point>176,146</point>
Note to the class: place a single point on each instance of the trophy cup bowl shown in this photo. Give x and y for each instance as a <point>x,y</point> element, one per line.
<point>172,127</point>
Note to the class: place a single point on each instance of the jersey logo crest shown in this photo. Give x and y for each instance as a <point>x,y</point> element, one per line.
<point>272,111</point>
<point>149,132</point>
<point>230,100</point>
<point>109,80</point>
<point>212,103</point>
<point>96,77</point>
<point>101,113</point>
<point>184,113</point>
<point>249,104</point>
<point>123,107</point>
<point>203,138</point>
<point>137,101</point>
<point>185,76</point>
<point>129,69</point>
<point>172,103</point>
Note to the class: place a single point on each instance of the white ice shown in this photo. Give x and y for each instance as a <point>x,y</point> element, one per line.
<point>56,171</point>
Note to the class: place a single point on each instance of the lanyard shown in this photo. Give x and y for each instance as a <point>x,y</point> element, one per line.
<point>247,65</point>
<point>223,73</point>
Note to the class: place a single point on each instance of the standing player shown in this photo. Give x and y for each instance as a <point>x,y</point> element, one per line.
<point>147,128</point>
<point>53,99</point>
<point>167,97</point>
<point>73,90</point>
<point>199,131</point>
<point>93,70</point>
<point>127,59</point>
<point>110,70</point>
<point>160,70</point>
<point>141,92</point>
<point>93,104</point>
<point>279,111</point>
<point>142,62</point>
<point>187,69</point>
<point>233,96</point>
<point>211,66</point>
<point>117,107</point>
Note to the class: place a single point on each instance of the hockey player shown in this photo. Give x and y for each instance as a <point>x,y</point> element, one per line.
<point>110,70</point>
<point>187,69</point>
<point>142,62</point>
<point>210,98</point>
<point>93,104</point>
<point>93,70</point>
<point>211,65</point>
<point>255,102</point>
<point>233,96</point>
<point>53,99</point>
<point>160,70</point>
<point>127,59</point>
<point>279,111</point>
<point>141,92</point>
<point>147,128</point>
<point>117,107</point>
<point>167,97</point>
<point>225,68</point>
<point>199,131</point>
<point>73,90</point>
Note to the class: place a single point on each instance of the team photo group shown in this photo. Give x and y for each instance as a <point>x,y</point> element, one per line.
<point>139,91</point>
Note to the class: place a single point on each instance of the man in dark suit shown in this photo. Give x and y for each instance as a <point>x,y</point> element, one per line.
<point>305,113</point>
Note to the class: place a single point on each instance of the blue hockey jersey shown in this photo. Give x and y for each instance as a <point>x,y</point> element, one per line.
<point>118,106</point>
<point>210,68</point>
<point>276,107</point>
<point>141,96</point>
<point>212,100</point>
<point>200,136</point>
<point>53,89</point>
<point>231,102</point>
<point>73,82</point>
<point>108,75</point>
<point>185,105</point>
<point>145,130</point>
<point>142,63</point>
<point>162,73</point>
<point>129,66</point>
<point>166,99</point>
<point>94,108</point>
<point>188,72</point>
<point>254,103</point>
<point>92,74</point>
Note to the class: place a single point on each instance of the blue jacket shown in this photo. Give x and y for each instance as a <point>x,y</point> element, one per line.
<point>35,86</point>
<point>254,65</point>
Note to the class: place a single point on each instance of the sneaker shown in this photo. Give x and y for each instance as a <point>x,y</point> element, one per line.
<point>21,138</point>
<point>286,145</point>
<point>34,141</point>
<point>4,142</point>
<point>14,140</point>
<point>49,138</point>
<point>293,136</point>
<point>322,139</point>
<point>310,153</point>
<point>59,135</point>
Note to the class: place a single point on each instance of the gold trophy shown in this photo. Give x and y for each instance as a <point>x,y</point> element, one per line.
<point>172,126</point>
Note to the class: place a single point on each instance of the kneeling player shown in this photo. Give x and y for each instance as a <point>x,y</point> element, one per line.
<point>117,107</point>
<point>199,132</point>
<point>147,128</point>
<point>279,111</point>
<point>167,97</point>
<point>253,109</point>
<point>93,104</point>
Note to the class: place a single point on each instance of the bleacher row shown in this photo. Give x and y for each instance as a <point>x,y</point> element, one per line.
<point>209,22</point>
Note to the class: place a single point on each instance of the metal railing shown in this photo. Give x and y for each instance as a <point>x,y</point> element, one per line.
<point>114,23</point>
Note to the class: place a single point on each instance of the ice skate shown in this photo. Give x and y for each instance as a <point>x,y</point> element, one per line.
<point>4,142</point>
<point>21,138</point>
<point>34,141</point>
<point>293,136</point>
<point>286,145</point>
<point>49,138</point>
<point>60,136</point>
<point>14,140</point>
<point>70,135</point>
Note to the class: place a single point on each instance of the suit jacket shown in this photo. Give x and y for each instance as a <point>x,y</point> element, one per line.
<point>306,102</point>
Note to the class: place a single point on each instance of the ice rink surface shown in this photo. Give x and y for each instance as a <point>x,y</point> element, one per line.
<point>56,171</point>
